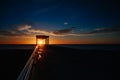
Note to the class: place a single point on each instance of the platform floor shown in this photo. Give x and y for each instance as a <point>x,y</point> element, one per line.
<point>60,63</point>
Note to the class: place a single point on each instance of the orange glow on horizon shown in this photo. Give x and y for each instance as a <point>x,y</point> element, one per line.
<point>56,40</point>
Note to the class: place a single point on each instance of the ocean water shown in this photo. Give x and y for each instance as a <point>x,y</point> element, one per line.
<point>93,47</point>
<point>17,46</point>
<point>75,46</point>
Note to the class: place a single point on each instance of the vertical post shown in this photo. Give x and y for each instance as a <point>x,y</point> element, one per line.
<point>36,40</point>
<point>45,41</point>
<point>48,40</point>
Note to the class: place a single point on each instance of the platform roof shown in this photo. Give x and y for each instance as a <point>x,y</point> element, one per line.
<point>42,36</point>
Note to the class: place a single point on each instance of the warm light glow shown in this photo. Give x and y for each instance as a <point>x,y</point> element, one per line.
<point>41,42</point>
<point>57,40</point>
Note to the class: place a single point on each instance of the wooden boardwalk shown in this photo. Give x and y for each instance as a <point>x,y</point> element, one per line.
<point>59,63</point>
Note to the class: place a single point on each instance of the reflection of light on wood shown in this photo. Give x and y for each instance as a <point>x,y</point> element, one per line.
<point>41,50</point>
<point>39,53</point>
<point>39,57</point>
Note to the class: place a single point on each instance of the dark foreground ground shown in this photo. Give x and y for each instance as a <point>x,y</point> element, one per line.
<point>12,62</point>
<point>72,64</point>
<point>59,63</point>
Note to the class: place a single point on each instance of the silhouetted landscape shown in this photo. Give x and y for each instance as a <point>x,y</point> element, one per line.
<point>59,39</point>
<point>60,63</point>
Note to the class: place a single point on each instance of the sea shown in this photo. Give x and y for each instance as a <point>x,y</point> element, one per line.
<point>107,47</point>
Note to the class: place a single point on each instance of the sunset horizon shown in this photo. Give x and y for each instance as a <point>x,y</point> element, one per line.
<point>59,39</point>
<point>66,22</point>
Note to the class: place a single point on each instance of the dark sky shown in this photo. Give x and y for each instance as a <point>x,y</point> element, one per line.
<point>72,21</point>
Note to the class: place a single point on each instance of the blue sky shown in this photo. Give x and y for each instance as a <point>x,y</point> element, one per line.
<point>61,19</point>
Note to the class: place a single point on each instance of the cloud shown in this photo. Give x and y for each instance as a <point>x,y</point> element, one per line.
<point>105,30</point>
<point>11,33</point>
<point>24,30</point>
<point>23,27</point>
<point>68,32</point>
<point>18,30</point>
<point>28,30</point>
<point>38,31</point>
<point>63,31</point>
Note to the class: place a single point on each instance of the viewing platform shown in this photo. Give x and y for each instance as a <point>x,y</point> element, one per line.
<point>52,62</point>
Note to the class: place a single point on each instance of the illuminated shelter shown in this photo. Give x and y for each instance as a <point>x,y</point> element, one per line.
<point>42,37</point>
